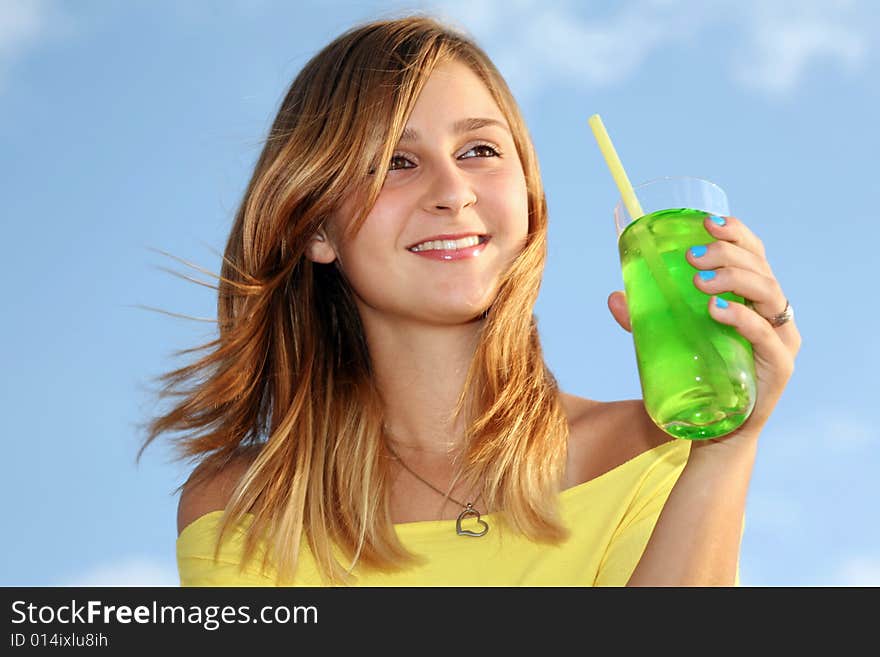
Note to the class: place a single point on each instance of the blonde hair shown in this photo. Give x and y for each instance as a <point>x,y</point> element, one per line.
<point>289,377</point>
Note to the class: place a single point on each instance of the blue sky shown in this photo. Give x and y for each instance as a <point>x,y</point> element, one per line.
<point>131,126</point>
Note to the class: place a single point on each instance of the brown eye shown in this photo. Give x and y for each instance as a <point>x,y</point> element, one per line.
<point>396,158</point>
<point>485,148</point>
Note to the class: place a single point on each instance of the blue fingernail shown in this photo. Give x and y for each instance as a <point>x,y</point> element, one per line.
<point>721,303</point>
<point>707,275</point>
<point>698,251</point>
<point>718,220</point>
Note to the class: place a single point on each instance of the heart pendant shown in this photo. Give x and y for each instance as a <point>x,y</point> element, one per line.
<point>470,511</point>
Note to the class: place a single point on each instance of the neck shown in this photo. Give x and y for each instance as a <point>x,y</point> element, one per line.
<point>420,371</point>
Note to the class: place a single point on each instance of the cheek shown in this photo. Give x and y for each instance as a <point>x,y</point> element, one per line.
<point>386,218</point>
<point>369,253</point>
<point>511,199</point>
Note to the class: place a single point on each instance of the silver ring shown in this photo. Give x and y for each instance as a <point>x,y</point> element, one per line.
<point>777,320</point>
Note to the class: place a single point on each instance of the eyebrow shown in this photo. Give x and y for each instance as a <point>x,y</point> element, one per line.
<point>459,127</point>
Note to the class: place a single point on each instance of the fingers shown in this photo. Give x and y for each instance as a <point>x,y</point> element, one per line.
<point>716,254</point>
<point>619,309</point>
<point>764,292</point>
<point>736,232</point>
<point>740,265</point>
<point>766,343</point>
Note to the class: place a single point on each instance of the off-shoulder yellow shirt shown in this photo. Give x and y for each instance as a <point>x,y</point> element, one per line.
<point>611,518</point>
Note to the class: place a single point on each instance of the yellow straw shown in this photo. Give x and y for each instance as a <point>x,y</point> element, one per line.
<point>617,172</point>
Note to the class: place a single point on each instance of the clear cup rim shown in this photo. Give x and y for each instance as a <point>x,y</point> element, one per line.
<point>666,178</point>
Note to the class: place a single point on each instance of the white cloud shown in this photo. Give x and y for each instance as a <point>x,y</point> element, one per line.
<point>533,41</point>
<point>773,513</point>
<point>768,45</point>
<point>132,571</point>
<point>23,24</point>
<point>859,571</point>
<point>843,432</point>
<point>783,45</point>
<point>21,21</point>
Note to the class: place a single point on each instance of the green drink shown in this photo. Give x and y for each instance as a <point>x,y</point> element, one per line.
<point>697,375</point>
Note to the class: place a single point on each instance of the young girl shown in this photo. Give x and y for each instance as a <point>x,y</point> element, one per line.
<point>376,409</point>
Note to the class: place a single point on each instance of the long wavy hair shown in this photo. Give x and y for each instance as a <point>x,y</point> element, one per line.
<point>289,377</point>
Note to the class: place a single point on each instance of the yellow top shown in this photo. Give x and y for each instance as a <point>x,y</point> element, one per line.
<point>611,518</point>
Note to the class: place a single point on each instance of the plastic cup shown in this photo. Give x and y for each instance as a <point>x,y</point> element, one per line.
<point>697,375</point>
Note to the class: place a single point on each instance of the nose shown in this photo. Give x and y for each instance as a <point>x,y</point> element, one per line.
<point>450,191</point>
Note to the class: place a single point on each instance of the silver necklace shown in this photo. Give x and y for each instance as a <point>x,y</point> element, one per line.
<point>469,509</point>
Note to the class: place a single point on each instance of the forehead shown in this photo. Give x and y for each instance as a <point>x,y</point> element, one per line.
<point>459,127</point>
<point>454,97</point>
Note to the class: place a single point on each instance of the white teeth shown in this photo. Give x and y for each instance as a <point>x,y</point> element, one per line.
<point>448,245</point>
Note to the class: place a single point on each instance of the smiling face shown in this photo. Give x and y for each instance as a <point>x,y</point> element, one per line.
<point>447,177</point>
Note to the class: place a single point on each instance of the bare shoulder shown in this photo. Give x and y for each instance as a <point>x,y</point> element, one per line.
<point>633,418</point>
<point>203,493</point>
<point>605,435</point>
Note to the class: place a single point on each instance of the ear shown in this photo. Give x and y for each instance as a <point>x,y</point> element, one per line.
<point>619,309</point>
<point>319,249</point>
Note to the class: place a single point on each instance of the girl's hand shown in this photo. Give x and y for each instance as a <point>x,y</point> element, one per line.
<point>740,266</point>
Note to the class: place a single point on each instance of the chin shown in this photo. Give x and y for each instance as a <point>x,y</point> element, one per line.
<point>454,316</point>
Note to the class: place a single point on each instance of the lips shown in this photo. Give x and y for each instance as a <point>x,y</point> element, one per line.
<point>460,254</point>
<point>446,236</point>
